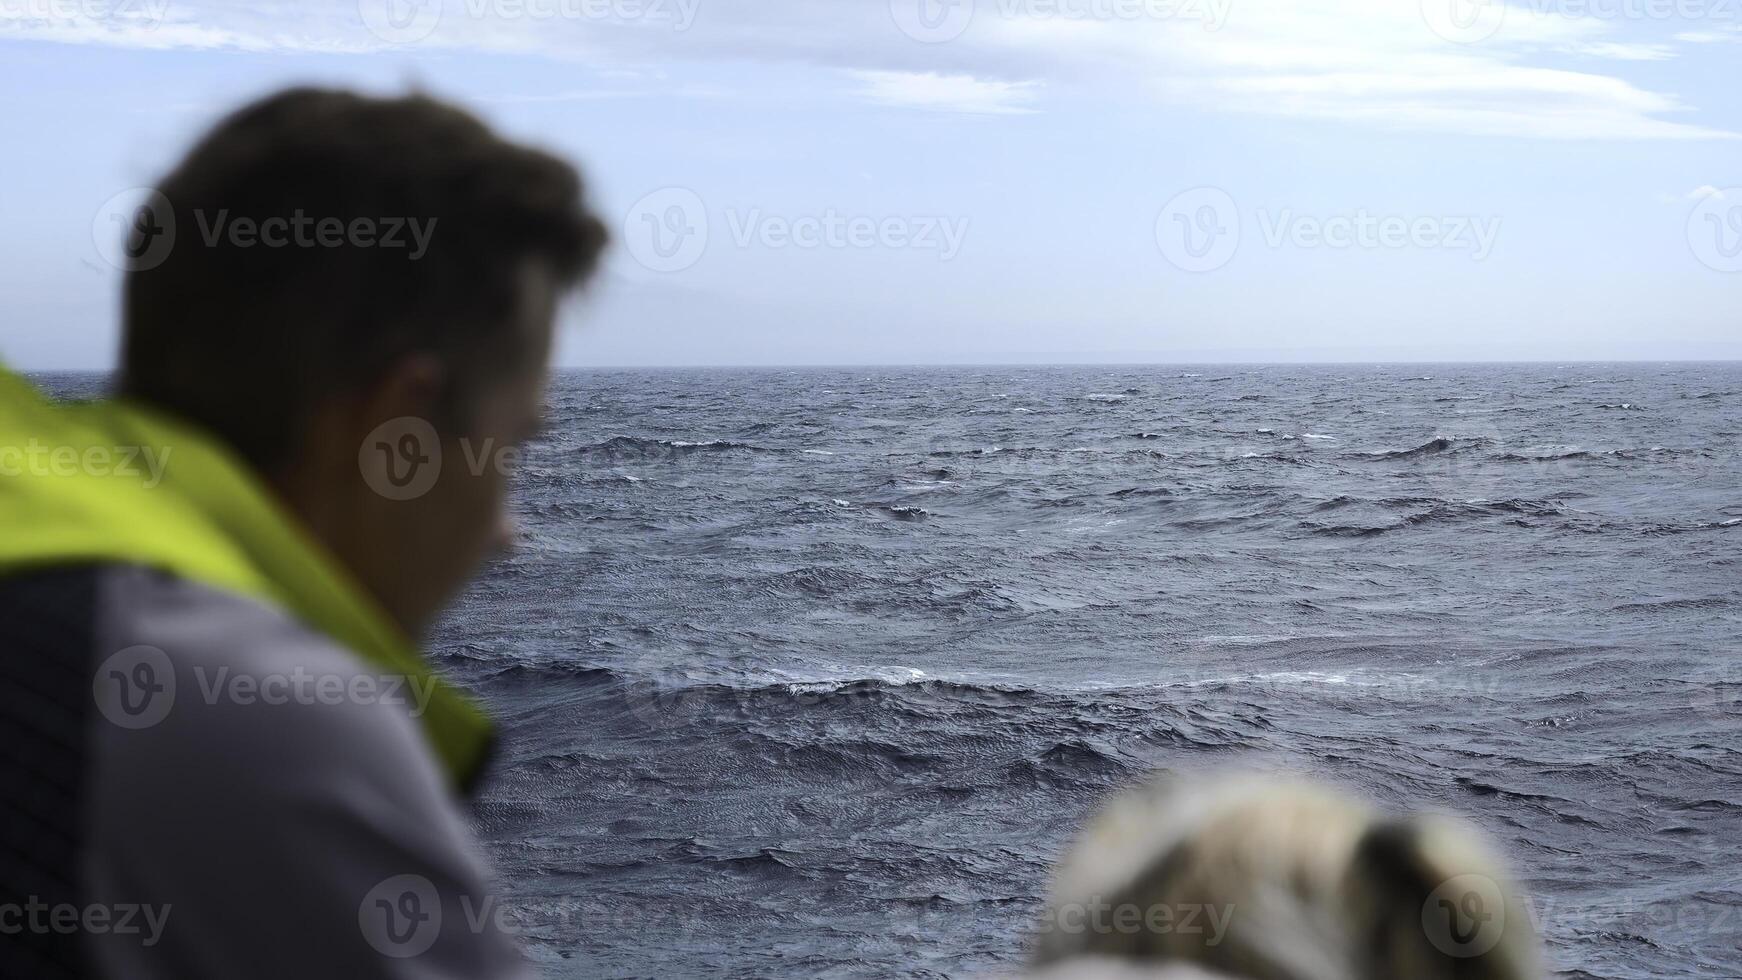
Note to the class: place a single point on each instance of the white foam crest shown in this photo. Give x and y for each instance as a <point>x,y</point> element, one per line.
<point>894,676</point>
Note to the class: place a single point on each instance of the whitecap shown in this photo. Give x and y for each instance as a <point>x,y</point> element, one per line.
<point>895,676</point>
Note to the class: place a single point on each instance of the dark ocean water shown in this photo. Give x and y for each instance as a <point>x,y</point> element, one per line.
<point>812,673</point>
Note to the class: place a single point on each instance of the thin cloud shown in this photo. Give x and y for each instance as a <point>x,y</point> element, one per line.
<point>946,93</point>
<point>1625,52</point>
<point>1718,34</point>
<point>603,95</point>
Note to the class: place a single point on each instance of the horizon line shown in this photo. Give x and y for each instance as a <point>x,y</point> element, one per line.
<point>842,365</point>
<point>1194,363</point>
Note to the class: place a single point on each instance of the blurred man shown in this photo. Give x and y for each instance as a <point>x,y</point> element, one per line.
<point>223,755</point>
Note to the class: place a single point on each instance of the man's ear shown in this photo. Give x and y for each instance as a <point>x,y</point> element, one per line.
<point>412,386</point>
<point>391,425</point>
<point>342,438</point>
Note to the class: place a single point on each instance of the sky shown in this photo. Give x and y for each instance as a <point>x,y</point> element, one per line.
<point>981,181</point>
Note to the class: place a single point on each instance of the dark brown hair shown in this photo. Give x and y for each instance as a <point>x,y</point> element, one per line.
<point>244,338</point>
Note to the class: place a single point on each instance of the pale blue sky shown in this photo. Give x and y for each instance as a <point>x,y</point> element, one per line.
<point>998,180</point>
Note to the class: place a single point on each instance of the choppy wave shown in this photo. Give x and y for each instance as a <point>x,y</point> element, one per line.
<point>1437,446</point>
<point>633,446</point>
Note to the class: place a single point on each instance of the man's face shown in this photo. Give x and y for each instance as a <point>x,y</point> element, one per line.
<point>420,550</point>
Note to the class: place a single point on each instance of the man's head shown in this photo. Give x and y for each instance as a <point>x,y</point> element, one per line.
<point>358,287</point>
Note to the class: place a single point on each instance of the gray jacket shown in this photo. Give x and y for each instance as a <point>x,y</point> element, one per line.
<point>198,786</point>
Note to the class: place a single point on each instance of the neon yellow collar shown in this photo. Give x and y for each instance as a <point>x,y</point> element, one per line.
<point>112,481</point>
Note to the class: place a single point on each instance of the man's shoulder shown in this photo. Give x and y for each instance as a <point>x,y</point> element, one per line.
<point>199,682</point>
<point>199,627</point>
<point>266,788</point>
